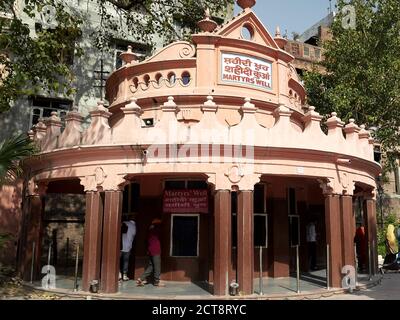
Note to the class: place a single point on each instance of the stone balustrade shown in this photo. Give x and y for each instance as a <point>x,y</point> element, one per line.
<point>349,139</point>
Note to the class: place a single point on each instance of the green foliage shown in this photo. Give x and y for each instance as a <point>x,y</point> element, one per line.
<point>12,152</point>
<point>33,63</point>
<point>4,238</point>
<point>362,79</point>
<point>389,219</point>
<point>41,63</point>
<point>168,19</point>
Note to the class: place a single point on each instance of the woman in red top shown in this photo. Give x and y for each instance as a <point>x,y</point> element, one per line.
<point>154,252</point>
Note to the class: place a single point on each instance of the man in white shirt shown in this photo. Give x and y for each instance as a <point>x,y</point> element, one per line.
<point>128,235</point>
<point>312,244</point>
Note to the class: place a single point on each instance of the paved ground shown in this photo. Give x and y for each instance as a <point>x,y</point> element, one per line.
<point>388,290</point>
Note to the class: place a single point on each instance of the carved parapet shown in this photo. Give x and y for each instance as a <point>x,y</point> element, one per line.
<point>99,131</point>
<point>168,129</point>
<point>209,130</point>
<point>312,121</point>
<point>39,132</point>
<point>248,132</point>
<point>72,134</point>
<point>335,129</point>
<point>283,123</point>
<point>364,147</point>
<point>129,129</point>
<point>53,130</point>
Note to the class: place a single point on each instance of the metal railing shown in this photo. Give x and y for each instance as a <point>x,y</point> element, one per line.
<point>297,269</point>
<point>328,269</point>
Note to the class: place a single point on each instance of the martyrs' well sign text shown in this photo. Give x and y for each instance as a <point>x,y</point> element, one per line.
<point>185,201</point>
<point>246,70</point>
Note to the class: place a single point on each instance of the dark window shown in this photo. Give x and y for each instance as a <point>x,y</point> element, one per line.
<point>125,200</point>
<point>259,198</point>
<point>43,107</point>
<point>135,197</point>
<point>234,201</point>
<point>197,185</point>
<point>234,218</point>
<point>261,230</point>
<point>377,154</point>
<point>234,230</point>
<point>185,236</point>
<point>185,78</point>
<point>306,51</point>
<point>175,185</point>
<point>294,230</point>
<point>131,198</point>
<point>182,184</point>
<point>292,201</point>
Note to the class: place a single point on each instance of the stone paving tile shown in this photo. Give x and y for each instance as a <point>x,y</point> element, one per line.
<point>312,288</point>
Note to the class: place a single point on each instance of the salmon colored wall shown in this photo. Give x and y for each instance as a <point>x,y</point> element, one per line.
<point>10,220</point>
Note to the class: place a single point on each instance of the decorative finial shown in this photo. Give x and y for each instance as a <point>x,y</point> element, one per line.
<point>207,13</point>
<point>244,4</point>
<point>278,32</point>
<point>281,42</point>
<point>128,56</point>
<point>207,25</point>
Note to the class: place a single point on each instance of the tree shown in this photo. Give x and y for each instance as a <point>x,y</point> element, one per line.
<point>362,63</point>
<point>12,152</point>
<point>30,64</point>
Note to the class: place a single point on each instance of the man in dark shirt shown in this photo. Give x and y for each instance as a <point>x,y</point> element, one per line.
<point>154,252</point>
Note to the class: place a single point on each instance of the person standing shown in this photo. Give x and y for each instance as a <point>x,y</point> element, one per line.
<point>128,235</point>
<point>362,248</point>
<point>154,253</point>
<point>311,234</point>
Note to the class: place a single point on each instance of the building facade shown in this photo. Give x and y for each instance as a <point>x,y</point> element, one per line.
<point>212,138</point>
<point>62,222</point>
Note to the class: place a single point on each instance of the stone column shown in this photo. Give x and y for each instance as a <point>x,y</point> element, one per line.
<point>334,238</point>
<point>111,241</point>
<point>370,204</point>
<point>92,238</point>
<point>245,246</point>
<point>32,236</point>
<point>222,241</point>
<point>348,232</point>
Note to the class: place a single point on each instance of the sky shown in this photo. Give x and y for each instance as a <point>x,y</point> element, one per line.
<point>291,15</point>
